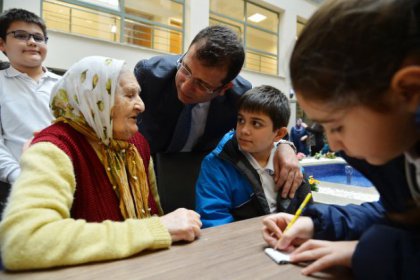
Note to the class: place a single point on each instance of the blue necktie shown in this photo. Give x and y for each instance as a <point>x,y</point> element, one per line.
<point>182,130</point>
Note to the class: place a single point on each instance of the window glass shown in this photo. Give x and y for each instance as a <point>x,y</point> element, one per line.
<point>262,17</point>
<point>57,16</point>
<point>156,24</point>
<point>94,24</point>
<point>261,63</point>
<point>260,40</point>
<point>111,4</point>
<point>232,8</point>
<point>259,31</point>
<point>159,11</point>
<point>235,26</point>
<point>165,13</point>
<point>84,21</point>
<point>300,24</point>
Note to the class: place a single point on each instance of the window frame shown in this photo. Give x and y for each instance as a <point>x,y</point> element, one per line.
<point>245,24</point>
<point>123,16</point>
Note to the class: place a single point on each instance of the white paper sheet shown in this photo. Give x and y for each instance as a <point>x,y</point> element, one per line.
<point>277,256</point>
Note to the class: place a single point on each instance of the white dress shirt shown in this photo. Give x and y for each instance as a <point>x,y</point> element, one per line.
<point>24,109</point>
<point>266,177</point>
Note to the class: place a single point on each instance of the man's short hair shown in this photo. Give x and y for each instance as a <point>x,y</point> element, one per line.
<point>12,15</point>
<point>220,46</point>
<point>268,100</point>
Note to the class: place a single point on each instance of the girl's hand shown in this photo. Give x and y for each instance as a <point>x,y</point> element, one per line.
<point>324,254</point>
<point>274,225</point>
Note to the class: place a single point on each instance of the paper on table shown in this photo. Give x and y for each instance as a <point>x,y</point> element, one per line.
<point>277,256</point>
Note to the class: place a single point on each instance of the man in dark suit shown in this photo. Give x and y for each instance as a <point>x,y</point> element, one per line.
<point>201,88</point>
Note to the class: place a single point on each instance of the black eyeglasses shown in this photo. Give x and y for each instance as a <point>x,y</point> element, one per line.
<point>200,85</point>
<point>22,35</point>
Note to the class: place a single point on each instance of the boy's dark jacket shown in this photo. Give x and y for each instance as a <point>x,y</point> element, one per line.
<point>239,193</point>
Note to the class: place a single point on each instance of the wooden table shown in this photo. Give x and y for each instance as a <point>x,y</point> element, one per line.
<point>233,251</point>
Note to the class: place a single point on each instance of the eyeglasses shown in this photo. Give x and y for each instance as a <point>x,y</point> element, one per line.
<point>22,35</point>
<point>200,85</point>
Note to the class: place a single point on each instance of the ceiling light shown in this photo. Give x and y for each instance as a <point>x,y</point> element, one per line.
<point>257,17</point>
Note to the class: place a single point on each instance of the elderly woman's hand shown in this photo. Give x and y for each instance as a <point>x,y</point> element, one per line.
<point>182,224</point>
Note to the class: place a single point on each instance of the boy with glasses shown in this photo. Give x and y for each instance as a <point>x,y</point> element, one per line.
<point>25,88</point>
<point>201,88</point>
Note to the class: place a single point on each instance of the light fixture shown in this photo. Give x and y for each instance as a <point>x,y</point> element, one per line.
<point>114,29</point>
<point>257,17</point>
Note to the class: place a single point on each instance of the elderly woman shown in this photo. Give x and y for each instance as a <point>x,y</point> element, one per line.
<point>87,190</point>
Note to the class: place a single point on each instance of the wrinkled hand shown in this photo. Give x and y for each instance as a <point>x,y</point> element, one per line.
<point>273,234</point>
<point>287,173</point>
<point>182,224</point>
<point>324,254</point>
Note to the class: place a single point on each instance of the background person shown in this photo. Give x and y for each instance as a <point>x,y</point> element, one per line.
<point>316,135</point>
<point>299,137</point>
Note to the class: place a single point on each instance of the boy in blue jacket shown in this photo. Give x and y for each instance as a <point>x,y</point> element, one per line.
<point>236,179</point>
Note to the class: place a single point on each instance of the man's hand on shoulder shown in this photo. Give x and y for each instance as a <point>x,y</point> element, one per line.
<point>287,172</point>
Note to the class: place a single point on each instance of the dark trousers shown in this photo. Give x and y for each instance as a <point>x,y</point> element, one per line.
<point>4,193</point>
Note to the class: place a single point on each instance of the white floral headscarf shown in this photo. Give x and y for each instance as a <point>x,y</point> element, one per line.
<point>83,98</point>
<point>87,93</point>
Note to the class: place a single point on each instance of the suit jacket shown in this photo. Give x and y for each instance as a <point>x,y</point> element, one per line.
<point>156,77</point>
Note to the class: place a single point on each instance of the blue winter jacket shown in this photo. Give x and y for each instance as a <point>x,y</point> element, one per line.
<point>229,189</point>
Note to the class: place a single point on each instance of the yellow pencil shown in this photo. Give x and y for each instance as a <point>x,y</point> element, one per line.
<point>297,214</point>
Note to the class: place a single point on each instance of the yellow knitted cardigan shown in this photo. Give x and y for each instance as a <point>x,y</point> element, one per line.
<point>38,232</point>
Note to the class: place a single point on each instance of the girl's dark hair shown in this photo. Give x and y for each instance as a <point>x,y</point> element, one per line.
<point>12,15</point>
<point>267,100</point>
<point>219,46</point>
<point>350,49</point>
